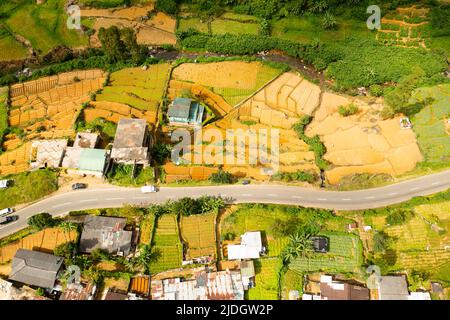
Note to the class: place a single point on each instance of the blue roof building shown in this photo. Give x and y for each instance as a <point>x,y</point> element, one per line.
<point>185,111</point>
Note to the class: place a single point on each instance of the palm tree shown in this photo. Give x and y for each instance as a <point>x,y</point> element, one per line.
<point>147,255</point>
<point>68,227</point>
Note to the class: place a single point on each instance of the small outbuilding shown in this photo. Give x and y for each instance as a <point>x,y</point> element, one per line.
<point>250,247</point>
<point>320,244</point>
<point>185,111</point>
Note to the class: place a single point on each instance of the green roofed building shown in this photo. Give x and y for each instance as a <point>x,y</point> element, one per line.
<point>185,111</point>
<point>92,160</point>
<point>86,160</point>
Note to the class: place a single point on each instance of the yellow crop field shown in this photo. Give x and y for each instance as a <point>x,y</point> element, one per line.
<point>46,241</point>
<point>198,231</point>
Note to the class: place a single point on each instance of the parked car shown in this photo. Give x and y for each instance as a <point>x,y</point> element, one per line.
<point>8,219</point>
<point>148,189</point>
<point>245,182</point>
<point>78,186</point>
<point>6,211</point>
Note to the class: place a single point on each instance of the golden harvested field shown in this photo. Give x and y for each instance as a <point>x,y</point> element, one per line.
<point>158,30</point>
<point>182,173</point>
<point>363,142</point>
<point>233,80</point>
<point>198,232</point>
<point>46,241</point>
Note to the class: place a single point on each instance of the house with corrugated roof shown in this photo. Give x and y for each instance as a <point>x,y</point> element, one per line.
<point>185,111</point>
<point>132,142</point>
<point>106,233</point>
<point>36,268</point>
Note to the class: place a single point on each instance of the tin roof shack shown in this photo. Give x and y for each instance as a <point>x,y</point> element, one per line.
<point>106,233</point>
<point>79,291</point>
<point>86,161</point>
<point>336,290</point>
<point>86,140</point>
<point>132,142</point>
<point>250,247</point>
<point>36,268</point>
<point>47,153</point>
<point>184,111</point>
<point>220,285</point>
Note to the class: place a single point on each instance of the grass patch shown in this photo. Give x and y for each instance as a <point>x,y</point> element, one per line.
<point>429,125</point>
<point>309,28</point>
<point>167,242</point>
<point>220,26</point>
<point>185,24</point>
<point>292,281</point>
<point>28,186</point>
<point>10,48</point>
<point>121,174</point>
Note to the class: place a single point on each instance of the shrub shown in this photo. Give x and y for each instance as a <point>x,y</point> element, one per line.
<point>221,177</point>
<point>348,110</point>
<point>399,216</point>
<point>329,21</point>
<point>295,176</point>
<point>41,221</point>
<point>167,6</point>
<point>376,90</point>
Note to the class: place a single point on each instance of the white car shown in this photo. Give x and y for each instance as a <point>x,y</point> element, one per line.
<point>148,189</point>
<point>6,211</point>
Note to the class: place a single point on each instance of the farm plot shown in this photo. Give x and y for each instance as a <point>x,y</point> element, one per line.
<point>167,242</point>
<point>256,218</point>
<point>429,125</point>
<point>266,280</point>
<point>156,29</point>
<point>418,246</point>
<point>233,80</point>
<point>146,229</point>
<point>3,112</point>
<point>363,142</point>
<point>405,27</point>
<point>198,231</point>
<point>222,26</point>
<point>175,173</point>
<point>185,24</point>
<point>139,89</point>
<point>46,241</point>
<point>345,255</point>
<point>45,26</point>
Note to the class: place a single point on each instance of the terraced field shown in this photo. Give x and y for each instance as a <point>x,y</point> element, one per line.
<point>167,242</point>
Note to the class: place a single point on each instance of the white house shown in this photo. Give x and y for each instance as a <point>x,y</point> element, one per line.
<point>250,247</point>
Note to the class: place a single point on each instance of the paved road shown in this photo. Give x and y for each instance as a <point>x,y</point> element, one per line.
<point>344,200</point>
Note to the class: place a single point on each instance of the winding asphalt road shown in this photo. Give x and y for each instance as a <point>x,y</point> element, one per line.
<point>114,197</point>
